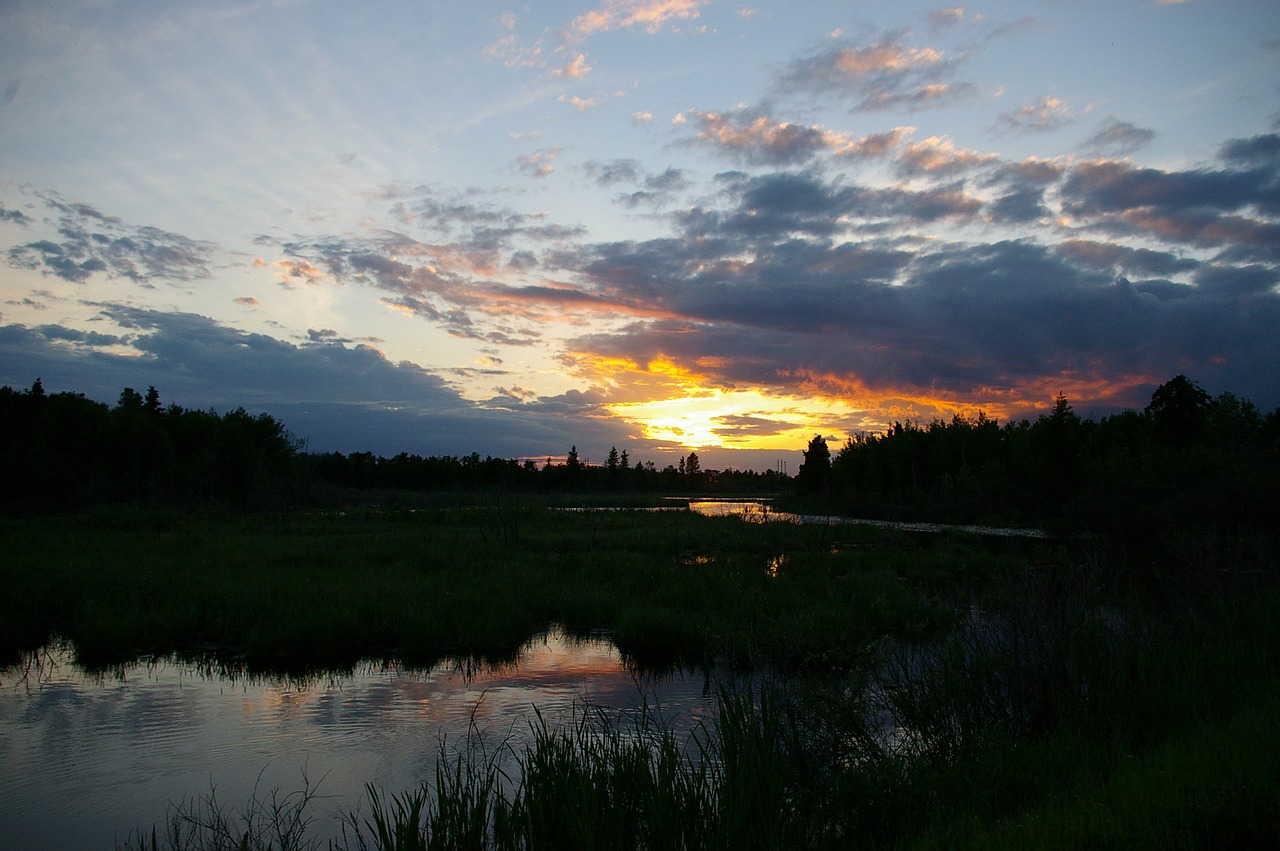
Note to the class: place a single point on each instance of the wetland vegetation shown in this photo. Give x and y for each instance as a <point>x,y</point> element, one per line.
<point>1110,685</point>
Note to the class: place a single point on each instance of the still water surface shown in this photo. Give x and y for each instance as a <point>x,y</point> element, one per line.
<point>86,759</point>
<point>760,511</point>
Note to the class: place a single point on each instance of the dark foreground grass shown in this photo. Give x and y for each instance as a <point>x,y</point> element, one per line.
<point>292,592</point>
<point>1083,700</point>
<point>764,775</point>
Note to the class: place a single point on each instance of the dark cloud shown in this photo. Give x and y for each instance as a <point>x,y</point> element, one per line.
<point>1238,280</point>
<point>754,426</point>
<point>1259,150</point>
<point>785,204</point>
<point>1110,187</point>
<point>1047,113</point>
<point>346,398</point>
<point>1232,209</point>
<point>1119,276</point>
<point>753,138</point>
<point>786,277</point>
<point>611,173</point>
<point>16,216</point>
<point>325,335</point>
<point>1133,261</point>
<point>1116,138</point>
<point>75,335</point>
<point>948,17</point>
<point>657,189</point>
<point>91,242</point>
<point>883,73</point>
<point>1020,206</point>
<point>1032,171</point>
<point>757,140</point>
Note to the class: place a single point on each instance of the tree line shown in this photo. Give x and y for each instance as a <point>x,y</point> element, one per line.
<point>62,451</point>
<point>1187,459</point>
<point>364,470</point>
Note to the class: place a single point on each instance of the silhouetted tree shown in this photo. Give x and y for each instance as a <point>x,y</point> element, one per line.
<point>612,464</point>
<point>693,470</point>
<point>814,474</point>
<point>1179,409</point>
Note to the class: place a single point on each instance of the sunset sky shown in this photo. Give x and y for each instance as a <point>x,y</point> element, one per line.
<point>661,225</point>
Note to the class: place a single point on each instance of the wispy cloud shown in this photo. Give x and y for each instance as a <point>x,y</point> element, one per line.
<point>89,242</point>
<point>940,156</point>
<point>580,103</point>
<point>1116,137</point>
<point>885,73</point>
<point>758,139</point>
<point>1047,113</point>
<point>539,163</point>
<point>576,68</point>
<point>649,15</point>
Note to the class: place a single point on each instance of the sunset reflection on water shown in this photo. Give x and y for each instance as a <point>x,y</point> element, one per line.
<point>115,751</point>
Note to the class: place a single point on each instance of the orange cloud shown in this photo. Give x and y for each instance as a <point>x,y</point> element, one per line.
<point>623,14</point>
<point>885,56</point>
<point>577,68</point>
<point>292,271</point>
<point>939,154</point>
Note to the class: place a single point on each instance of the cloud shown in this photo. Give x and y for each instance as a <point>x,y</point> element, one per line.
<point>946,17</point>
<point>339,397</point>
<point>650,15</point>
<point>539,163</point>
<point>883,74</point>
<point>1232,207</point>
<point>939,156</point>
<point>797,275</point>
<point>1117,138</point>
<point>788,204</point>
<point>740,425</point>
<point>580,103</point>
<point>15,216</point>
<point>90,242</point>
<point>656,189</point>
<point>759,140</point>
<point>578,67</point>
<point>1106,256</point>
<point>802,280</point>
<point>1259,150</point>
<point>1021,206</point>
<point>1251,280</point>
<point>611,173</point>
<point>967,318</point>
<point>1047,113</point>
<point>291,272</point>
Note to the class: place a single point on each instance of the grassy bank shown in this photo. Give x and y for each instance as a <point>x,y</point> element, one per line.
<point>295,591</point>
<point>1187,757</point>
<point>909,691</point>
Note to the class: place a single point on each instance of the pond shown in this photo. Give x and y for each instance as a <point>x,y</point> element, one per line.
<point>760,511</point>
<point>87,759</point>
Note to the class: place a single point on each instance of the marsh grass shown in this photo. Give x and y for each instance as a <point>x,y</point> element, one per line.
<point>941,750</point>
<point>268,821</point>
<point>605,782</point>
<point>935,691</point>
<point>324,591</point>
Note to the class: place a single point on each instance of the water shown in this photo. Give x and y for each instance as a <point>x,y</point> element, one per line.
<point>85,760</point>
<point>759,511</point>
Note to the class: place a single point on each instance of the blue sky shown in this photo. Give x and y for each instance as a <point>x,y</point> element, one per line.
<point>661,225</point>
